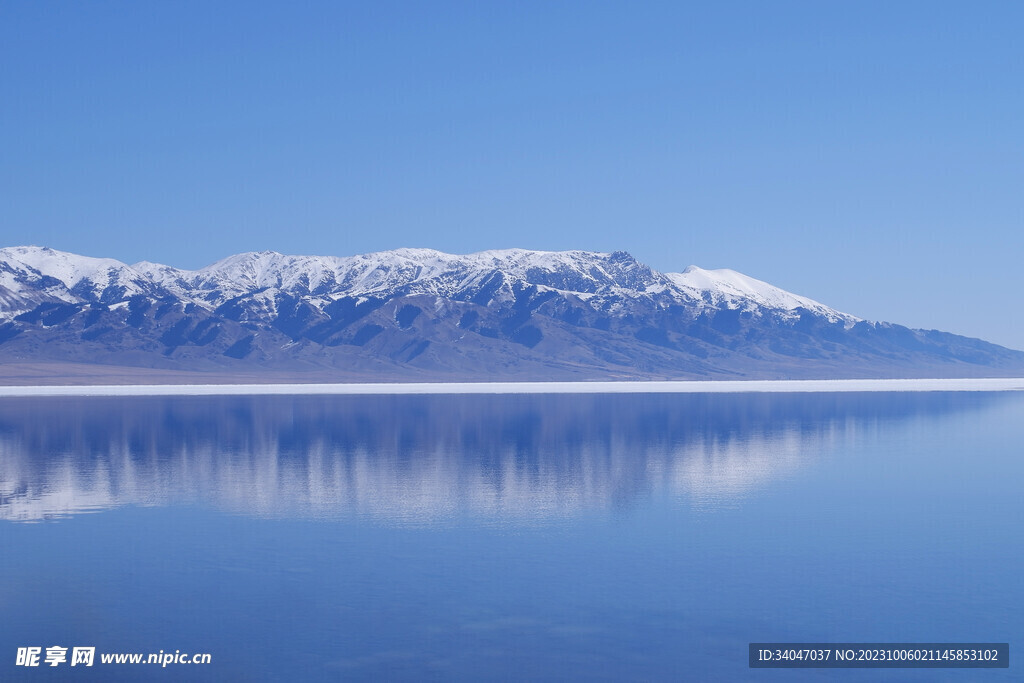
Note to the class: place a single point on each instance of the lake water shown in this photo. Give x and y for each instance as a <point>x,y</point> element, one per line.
<point>595,537</point>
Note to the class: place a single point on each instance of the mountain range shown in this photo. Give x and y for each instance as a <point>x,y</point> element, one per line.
<point>424,315</point>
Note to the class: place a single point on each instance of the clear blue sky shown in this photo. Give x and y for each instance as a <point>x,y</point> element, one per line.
<point>869,155</point>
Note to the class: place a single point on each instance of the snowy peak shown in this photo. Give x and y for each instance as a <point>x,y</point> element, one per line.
<point>574,271</point>
<point>68,268</point>
<point>726,288</point>
<point>80,277</point>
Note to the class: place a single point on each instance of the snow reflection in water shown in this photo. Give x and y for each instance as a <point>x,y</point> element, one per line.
<point>418,459</point>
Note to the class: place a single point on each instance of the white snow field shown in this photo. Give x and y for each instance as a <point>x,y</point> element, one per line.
<point>683,387</point>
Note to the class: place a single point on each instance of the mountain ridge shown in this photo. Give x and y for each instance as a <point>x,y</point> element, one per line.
<point>248,272</point>
<point>424,314</point>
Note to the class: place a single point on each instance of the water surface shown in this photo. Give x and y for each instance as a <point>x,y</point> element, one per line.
<point>608,537</point>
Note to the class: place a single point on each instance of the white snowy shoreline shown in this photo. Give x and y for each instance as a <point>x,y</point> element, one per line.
<point>652,387</point>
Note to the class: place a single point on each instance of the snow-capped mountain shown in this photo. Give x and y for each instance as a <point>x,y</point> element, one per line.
<point>409,271</point>
<point>420,313</point>
<point>725,288</point>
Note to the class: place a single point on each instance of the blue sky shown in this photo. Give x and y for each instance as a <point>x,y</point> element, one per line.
<point>869,155</point>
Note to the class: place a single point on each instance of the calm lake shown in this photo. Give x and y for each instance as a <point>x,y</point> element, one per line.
<point>594,537</point>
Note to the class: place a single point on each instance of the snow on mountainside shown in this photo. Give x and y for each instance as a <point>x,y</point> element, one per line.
<point>85,277</point>
<point>29,275</point>
<point>736,290</point>
<point>426,270</point>
<point>70,269</point>
<point>420,271</point>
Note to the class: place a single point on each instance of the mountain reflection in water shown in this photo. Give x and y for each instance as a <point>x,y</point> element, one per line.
<point>418,459</point>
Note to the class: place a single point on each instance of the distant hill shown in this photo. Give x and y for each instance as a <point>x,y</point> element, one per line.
<point>419,314</point>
